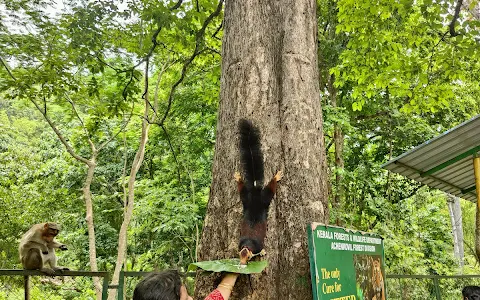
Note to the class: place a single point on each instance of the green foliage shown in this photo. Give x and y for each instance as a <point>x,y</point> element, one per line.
<point>399,78</point>
<point>414,222</point>
<point>404,50</point>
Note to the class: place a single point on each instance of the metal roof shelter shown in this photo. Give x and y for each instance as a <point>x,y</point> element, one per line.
<point>447,162</point>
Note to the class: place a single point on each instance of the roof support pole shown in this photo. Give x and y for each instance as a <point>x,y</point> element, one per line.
<point>476,168</point>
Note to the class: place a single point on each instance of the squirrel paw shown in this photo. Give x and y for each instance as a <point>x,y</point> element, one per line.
<point>278,176</point>
<point>237,176</point>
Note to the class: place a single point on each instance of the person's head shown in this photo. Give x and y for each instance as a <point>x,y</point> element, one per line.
<point>471,292</point>
<point>166,285</point>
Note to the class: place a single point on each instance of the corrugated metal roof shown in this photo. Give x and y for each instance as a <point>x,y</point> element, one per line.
<point>449,146</point>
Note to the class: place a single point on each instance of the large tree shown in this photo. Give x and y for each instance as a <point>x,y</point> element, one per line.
<point>269,75</point>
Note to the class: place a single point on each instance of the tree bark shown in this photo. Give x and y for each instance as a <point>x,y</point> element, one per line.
<point>457,229</point>
<point>92,251</point>
<point>474,11</point>
<point>122,235</point>
<point>136,164</point>
<point>269,76</point>
<point>338,138</point>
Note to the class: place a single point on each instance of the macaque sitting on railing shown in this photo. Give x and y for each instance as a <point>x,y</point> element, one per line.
<point>37,248</point>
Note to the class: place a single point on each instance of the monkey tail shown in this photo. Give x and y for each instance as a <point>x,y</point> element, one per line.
<point>251,156</point>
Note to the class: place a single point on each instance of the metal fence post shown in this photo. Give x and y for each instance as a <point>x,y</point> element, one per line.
<point>401,289</point>
<point>26,286</point>
<point>105,287</point>
<point>121,283</point>
<point>436,287</point>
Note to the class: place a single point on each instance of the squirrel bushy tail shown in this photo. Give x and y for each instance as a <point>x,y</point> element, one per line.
<point>254,195</point>
<point>251,156</point>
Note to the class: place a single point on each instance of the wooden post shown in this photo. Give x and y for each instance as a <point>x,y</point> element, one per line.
<point>26,286</point>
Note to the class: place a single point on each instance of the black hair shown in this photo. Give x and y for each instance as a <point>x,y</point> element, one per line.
<point>471,292</point>
<point>163,285</point>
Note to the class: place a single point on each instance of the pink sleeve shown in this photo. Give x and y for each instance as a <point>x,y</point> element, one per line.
<point>215,295</point>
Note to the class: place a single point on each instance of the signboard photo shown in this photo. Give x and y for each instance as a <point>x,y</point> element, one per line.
<point>345,264</point>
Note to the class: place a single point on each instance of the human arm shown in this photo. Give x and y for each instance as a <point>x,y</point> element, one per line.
<point>226,285</point>
<point>224,289</point>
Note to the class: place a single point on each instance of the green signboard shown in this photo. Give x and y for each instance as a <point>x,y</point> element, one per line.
<point>346,264</point>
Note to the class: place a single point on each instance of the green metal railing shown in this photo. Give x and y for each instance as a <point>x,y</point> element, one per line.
<point>121,281</point>
<point>403,287</point>
<point>436,287</point>
<point>27,273</point>
<point>105,275</point>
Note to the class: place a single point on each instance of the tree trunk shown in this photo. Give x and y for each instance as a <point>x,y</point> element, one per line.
<point>122,235</point>
<point>457,230</point>
<point>269,76</point>
<point>92,252</point>
<point>136,164</point>
<point>339,162</point>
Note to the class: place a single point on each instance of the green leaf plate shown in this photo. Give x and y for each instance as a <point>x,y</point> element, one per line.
<point>230,265</point>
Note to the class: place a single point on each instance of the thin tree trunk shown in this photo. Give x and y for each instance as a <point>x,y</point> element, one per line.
<point>92,253</point>
<point>122,236</point>
<point>457,230</point>
<point>269,75</point>
<point>136,164</point>
<point>339,162</point>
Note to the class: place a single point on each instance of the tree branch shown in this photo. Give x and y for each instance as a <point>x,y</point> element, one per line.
<point>120,130</point>
<point>455,18</point>
<point>167,65</point>
<point>52,125</point>
<point>60,136</point>
<point>7,68</point>
<point>430,63</point>
<point>472,250</point>
<point>199,38</point>
<point>177,5</point>
<point>78,116</point>
<point>214,35</point>
<point>171,148</point>
<point>329,145</point>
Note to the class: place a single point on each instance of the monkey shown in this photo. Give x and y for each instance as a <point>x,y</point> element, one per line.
<point>37,248</point>
<point>254,195</point>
